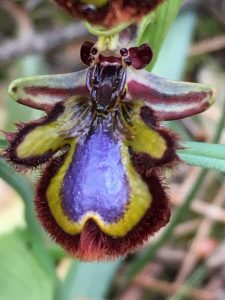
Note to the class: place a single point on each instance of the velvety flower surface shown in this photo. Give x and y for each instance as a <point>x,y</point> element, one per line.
<point>109,13</point>
<point>103,151</point>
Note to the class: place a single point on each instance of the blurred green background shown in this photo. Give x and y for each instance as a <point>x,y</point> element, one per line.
<point>186,260</point>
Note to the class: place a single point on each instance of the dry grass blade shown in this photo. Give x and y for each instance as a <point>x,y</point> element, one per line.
<point>166,288</point>
<point>203,231</point>
<point>210,45</point>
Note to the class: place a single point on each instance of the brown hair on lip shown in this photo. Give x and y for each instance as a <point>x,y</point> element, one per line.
<point>92,243</point>
<point>33,161</point>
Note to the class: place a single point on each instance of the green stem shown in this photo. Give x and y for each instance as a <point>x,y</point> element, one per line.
<point>100,31</point>
<point>193,281</point>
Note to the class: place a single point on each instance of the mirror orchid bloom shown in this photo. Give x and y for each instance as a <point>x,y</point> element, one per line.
<point>102,148</point>
<point>109,13</point>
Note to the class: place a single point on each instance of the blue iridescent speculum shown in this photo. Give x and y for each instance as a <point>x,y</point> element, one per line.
<point>102,148</point>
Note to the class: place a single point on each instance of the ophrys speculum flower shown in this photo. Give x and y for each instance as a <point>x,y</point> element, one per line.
<point>109,13</point>
<point>101,194</point>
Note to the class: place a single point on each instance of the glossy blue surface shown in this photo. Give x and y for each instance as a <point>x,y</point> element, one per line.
<point>96,179</point>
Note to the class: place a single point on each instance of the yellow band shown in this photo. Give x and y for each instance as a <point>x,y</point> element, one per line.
<point>139,202</point>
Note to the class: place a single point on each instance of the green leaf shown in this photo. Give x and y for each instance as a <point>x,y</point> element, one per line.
<point>21,276</point>
<point>194,280</point>
<point>174,51</point>
<point>3,144</point>
<point>89,280</point>
<point>208,156</point>
<point>26,191</point>
<point>154,28</point>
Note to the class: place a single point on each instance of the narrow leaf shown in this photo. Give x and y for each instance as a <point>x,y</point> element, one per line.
<point>21,277</point>
<point>208,156</point>
<point>25,190</point>
<point>154,28</point>
<point>3,144</point>
<point>173,55</point>
<point>89,280</point>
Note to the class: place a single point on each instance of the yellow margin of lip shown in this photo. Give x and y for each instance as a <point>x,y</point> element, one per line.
<point>97,3</point>
<point>39,141</point>
<point>144,139</point>
<point>138,203</point>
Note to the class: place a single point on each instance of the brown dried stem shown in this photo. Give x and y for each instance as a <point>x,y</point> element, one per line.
<point>170,289</point>
<point>204,229</point>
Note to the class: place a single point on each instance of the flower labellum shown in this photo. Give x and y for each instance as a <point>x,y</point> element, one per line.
<point>109,13</point>
<point>102,149</point>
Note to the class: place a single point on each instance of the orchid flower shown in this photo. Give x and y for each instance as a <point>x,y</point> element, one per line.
<point>103,151</point>
<point>109,13</point>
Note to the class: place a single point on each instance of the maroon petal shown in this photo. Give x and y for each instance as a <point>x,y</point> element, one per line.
<point>170,100</point>
<point>89,12</point>
<point>109,13</point>
<point>85,52</point>
<point>140,56</point>
<point>142,6</point>
<point>44,92</point>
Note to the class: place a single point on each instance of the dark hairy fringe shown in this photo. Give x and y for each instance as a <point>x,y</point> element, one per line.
<point>92,243</point>
<point>144,163</point>
<point>32,162</point>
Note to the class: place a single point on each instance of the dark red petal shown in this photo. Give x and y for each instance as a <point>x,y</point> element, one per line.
<point>112,13</point>
<point>170,100</point>
<point>85,52</point>
<point>141,7</point>
<point>140,56</point>
<point>89,12</point>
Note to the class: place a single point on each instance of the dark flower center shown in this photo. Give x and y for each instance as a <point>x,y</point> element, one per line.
<point>106,82</point>
<point>106,78</point>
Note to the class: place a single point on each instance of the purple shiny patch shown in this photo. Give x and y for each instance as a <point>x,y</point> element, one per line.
<point>96,180</point>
